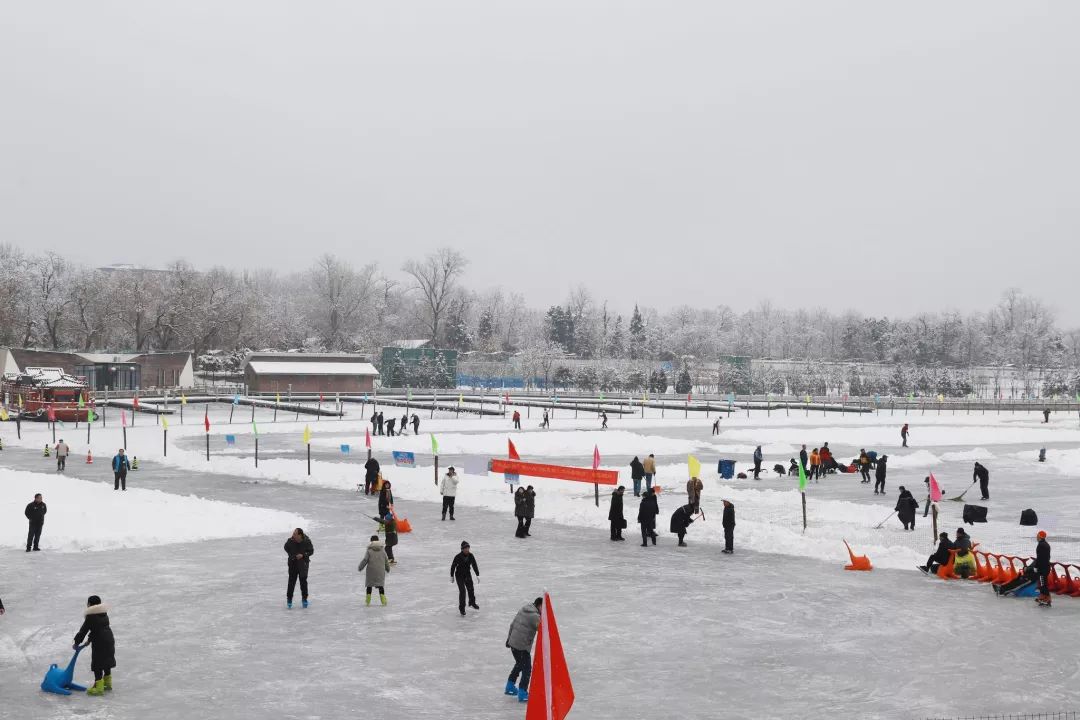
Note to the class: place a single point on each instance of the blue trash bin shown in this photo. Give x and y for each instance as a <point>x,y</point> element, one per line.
<point>726,468</point>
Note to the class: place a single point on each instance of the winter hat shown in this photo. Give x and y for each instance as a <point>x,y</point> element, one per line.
<point>464,544</point>
<point>538,602</point>
<point>374,537</point>
<point>1041,535</point>
<point>93,600</point>
<point>902,488</point>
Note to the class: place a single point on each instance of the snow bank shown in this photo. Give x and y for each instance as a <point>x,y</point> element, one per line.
<point>92,516</point>
<point>980,454</point>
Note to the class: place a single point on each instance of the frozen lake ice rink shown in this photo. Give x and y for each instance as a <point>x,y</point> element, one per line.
<point>777,630</point>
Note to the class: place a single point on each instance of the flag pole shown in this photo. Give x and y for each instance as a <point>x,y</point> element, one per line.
<point>803,510</point>
<point>165,442</point>
<point>256,451</point>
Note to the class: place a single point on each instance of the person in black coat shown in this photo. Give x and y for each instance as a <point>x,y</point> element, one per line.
<point>530,509</point>
<point>906,507</point>
<point>390,427</point>
<point>615,514</point>
<point>374,423</point>
<point>416,424</point>
<point>879,475</point>
<point>379,421</point>
<point>299,550</point>
<point>941,555</point>
<point>983,476</point>
<point>637,473</point>
<point>386,499</point>
<point>803,459</point>
<point>371,475</point>
<point>404,424</point>
<point>460,568</point>
<point>1042,567</point>
<point>35,513</point>
<point>646,516</point>
<point>729,527</point>
<point>519,511</point>
<point>102,642</point>
<point>681,520</point>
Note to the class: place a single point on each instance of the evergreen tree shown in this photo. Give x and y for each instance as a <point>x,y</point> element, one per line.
<point>637,335</point>
<point>485,331</point>
<point>684,384</point>
<point>559,324</point>
<point>458,336</point>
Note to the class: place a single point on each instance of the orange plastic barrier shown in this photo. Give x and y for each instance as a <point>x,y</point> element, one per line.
<point>1075,582</point>
<point>858,562</point>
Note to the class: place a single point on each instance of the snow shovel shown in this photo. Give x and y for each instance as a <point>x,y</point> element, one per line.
<point>960,497</point>
<point>882,523</point>
<point>60,681</point>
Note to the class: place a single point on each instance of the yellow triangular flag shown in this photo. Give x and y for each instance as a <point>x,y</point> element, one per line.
<point>307,435</point>
<point>183,399</point>
<point>164,423</point>
<point>3,415</point>
<point>693,465</point>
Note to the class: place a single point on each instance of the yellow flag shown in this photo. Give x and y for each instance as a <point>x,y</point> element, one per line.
<point>3,415</point>
<point>277,398</point>
<point>940,398</point>
<point>20,401</point>
<point>693,465</point>
<point>164,423</point>
<point>307,435</point>
<point>460,398</point>
<point>183,399</point>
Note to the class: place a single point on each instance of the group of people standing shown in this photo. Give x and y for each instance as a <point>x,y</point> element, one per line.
<point>640,471</point>
<point>381,426</point>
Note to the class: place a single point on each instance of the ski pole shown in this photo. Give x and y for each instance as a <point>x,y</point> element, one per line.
<point>878,526</point>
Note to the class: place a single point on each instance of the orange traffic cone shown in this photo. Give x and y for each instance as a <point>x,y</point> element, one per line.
<point>858,562</point>
<point>89,458</point>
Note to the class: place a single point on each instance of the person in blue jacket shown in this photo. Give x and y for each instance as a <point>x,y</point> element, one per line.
<point>120,467</point>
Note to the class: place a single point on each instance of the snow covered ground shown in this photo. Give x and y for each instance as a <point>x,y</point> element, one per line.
<point>777,630</point>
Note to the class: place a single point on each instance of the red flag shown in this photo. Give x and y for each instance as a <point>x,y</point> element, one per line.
<point>320,397</point>
<point>52,414</point>
<point>551,694</point>
<point>511,450</point>
<point>206,418</point>
<point>367,438</point>
<point>935,489</point>
<point>135,402</point>
<point>595,457</point>
<point>123,419</point>
<point>688,397</point>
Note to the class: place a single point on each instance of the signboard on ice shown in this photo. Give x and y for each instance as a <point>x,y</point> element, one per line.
<point>404,459</point>
<point>511,479</point>
<point>230,439</point>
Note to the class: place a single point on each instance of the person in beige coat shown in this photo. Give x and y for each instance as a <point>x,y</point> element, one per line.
<point>377,565</point>
<point>650,470</point>
<point>694,487</point>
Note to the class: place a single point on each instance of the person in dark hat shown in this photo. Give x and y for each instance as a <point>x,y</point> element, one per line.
<point>461,569</point>
<point>940,556</point>
<point>615,514</point>
<point>103,645</point>
<point>906,507</point>
<point>879,475</point>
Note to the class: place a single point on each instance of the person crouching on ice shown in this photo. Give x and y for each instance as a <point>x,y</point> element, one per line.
<point>103,645</point>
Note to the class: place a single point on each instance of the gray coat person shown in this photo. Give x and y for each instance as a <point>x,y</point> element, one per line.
<point>377,565</point>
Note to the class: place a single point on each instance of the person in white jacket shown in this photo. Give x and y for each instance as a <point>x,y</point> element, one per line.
<point>449,492</point>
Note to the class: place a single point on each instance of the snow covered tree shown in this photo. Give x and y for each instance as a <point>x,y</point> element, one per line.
<point>684,384</point>
<point>637,335</point>
<point>435,278</point>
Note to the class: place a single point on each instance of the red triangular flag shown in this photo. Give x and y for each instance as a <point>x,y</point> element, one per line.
<point>367,438</point>
<point>688,397</point>
<point>123,419</point>
<point>320,397</point>
<point>935,489</point>
<point>135,402</point>
<point>595,457</point>
<point>551,694</point>
<point>511,450</point>
<point>52,414</point>
<point>206,418</point>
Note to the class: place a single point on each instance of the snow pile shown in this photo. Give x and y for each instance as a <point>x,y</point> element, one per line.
<point>979,454</point>
<point>92,516</point>
<point>917,459</point>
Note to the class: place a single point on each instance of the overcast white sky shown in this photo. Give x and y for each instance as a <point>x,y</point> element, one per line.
<point>883,156</point>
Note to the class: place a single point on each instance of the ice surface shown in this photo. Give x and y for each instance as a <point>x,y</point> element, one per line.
<point>778,630</point>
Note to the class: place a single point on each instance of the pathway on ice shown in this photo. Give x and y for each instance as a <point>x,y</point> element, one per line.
<point>201,627</point>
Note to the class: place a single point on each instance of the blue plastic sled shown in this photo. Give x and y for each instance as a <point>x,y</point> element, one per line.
<point>1031,590</point>
<point>60,681</point>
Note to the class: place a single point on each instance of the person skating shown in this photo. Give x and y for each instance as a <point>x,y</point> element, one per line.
<point>461,569</point>
<point>879,475</point>
<point>615,514</point>
<point>389,523</point>
<point>390,427</point>
<point>1042,567</point>
<point>649,466</point>
<point>864,465</point>
<point>694,486</point>
<point>62,452</point>
<point>35,513</point>
<point>716,426</point>
<point>815,465</point>
<point>519,511</point>
<point>906,507</point>
<point>120,467</point>
<point>449,492</point>
<point>983,476</point>
<point>517,420</point>
<point>520,641</point>
<point>804,460</point>
<point>378,565</point>
<point>1046,415</point>
<point>904,434</point>
<point>603,417</point>
<point>757,462</point>
<point>546,422</point>
<point>2,611</point>
<point>415,424</point>
<point>102,644</point>
<point>940,556</point>
<point>530,509</point>
<point>386,499</point>
<point>729,527</point>
<point>381,423</point>
<point>298,549</point>
<point>371,475</point>
<point>648,509</point>
<point>637,472</point>
<point>681,520</point>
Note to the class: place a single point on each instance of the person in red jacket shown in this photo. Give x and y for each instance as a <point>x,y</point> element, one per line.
<point>904,434</point>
